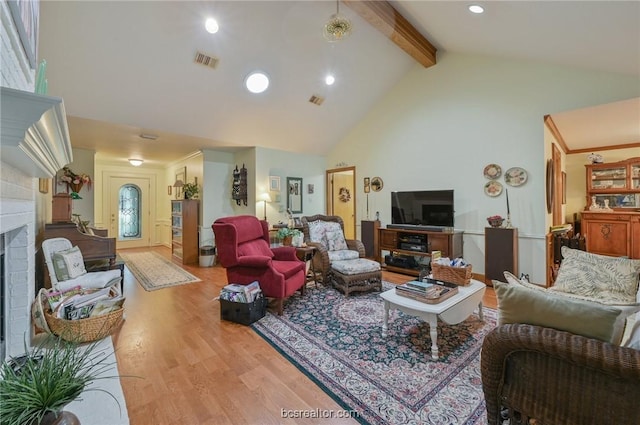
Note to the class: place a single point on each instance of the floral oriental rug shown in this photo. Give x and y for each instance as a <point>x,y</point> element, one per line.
<point>153,271</point>
<point>336,341</point>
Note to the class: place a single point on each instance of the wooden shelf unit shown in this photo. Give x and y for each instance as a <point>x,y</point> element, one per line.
<point>392,240</point>
<point>615,232</point>
<point>616,182</point>
<point>184,230</point>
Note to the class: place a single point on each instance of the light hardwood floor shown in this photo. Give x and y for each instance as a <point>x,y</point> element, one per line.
<point>183,365</point>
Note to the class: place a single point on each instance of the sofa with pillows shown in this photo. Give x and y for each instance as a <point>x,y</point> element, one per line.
<point>569,354</point>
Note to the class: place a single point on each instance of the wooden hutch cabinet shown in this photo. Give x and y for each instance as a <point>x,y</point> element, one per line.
<point>184,230</point>
<point>614,231</point>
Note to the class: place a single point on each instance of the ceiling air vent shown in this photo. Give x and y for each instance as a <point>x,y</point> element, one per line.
<point>206,60</point>
<point>316,100</point>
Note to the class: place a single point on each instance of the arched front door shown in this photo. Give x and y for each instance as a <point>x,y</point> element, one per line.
<point>129,212</point>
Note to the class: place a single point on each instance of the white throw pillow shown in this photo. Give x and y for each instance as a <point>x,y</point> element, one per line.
<point>335,240</point>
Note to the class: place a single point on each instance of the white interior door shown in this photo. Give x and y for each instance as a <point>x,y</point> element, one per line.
<point>123,217</point>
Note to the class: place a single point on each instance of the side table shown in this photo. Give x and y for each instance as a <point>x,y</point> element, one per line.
<point>306,253</point>
<point>106,264</point>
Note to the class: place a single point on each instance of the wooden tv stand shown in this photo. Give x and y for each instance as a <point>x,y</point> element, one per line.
<point>418,243</point>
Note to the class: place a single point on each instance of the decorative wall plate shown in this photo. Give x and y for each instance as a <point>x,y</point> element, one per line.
<point>492,171</point>
<point>376,184</point>
<point>515,176</point>
<point>493,188</point>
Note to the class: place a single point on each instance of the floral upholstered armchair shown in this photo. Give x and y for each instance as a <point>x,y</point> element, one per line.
<point>326,233</point>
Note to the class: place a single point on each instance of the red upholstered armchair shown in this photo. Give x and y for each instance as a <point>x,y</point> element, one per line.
<point>242,244</point>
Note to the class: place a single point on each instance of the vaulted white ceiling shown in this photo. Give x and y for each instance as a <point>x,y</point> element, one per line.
<point>124,68</point>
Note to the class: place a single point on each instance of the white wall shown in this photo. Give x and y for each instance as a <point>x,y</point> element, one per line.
<point>311,168</point>
<point>440,126</point>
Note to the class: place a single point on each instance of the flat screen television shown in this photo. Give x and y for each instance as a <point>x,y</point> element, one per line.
<point>422,208</point>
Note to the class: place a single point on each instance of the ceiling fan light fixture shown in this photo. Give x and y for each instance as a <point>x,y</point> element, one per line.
<point>136,162</point>
<point>337,27</point>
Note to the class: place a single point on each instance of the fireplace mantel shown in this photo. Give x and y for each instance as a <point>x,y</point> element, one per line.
<point>35,137</point>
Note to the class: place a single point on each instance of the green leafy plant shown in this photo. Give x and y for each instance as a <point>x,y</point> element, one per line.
<point>284,232</point>
<point>190,190</point>
<point>48,378</point>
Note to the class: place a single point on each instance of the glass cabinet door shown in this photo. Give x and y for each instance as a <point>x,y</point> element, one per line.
<point>635,176</point>
<point>609,178</point>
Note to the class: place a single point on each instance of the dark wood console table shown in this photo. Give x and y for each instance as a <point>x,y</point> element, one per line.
<point>421,243</point>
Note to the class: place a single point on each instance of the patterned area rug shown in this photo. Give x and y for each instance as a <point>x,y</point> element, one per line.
<point>337,342</point>
<point>156,272</point>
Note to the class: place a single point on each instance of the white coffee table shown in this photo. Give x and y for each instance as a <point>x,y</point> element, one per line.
<point>452,310</point>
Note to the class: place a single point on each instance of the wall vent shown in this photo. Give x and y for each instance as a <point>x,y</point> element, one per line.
<point>316,100</point>
<point>206,60</point>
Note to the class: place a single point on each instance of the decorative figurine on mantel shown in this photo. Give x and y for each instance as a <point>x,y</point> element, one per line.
<point>594,205</point>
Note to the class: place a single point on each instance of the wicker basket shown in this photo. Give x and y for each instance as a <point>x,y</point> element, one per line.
<point>457,275</point>
<point>82,330</point>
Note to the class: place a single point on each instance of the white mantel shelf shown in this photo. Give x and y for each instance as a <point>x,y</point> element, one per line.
<point>34,132</point>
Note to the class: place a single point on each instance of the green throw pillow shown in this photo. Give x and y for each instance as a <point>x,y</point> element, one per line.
<point>68,264</point>
<point>610,280</point>
<point>520,304</point>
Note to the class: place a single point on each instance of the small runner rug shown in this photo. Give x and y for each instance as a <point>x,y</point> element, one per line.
<point>336,341</point>
<point>153,271</point>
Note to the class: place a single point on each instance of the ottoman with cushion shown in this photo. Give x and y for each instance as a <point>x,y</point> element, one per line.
<point>357,274</point>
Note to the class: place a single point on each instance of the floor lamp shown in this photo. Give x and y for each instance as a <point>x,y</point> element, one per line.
<point>265,197</point>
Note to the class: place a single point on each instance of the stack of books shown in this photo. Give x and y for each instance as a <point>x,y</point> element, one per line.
<point>241,293</point>
<point>428,290</point>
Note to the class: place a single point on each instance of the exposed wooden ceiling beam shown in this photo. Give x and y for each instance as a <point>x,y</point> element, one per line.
<point>382,16</point>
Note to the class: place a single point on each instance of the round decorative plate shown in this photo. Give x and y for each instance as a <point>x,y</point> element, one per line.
<point>493,188</point>
<point>515,176</point>
<point>492,171</point>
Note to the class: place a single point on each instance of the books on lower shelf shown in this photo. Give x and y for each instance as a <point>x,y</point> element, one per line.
<point>241,293</point>
<point>430,291</point>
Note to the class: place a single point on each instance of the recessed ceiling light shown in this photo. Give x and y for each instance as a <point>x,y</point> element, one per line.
<point>136,162</point>
<point>476,8</point>
<point>211,26</point>
<point>257,82</point>
<point>329,79</point>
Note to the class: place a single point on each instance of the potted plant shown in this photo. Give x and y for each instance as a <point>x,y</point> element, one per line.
<point>35,387</point>
<point>286,234</point>
<point>190,190</point>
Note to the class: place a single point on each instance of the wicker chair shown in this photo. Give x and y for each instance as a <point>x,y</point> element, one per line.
<point>321,260</point>
<point>556,377</point>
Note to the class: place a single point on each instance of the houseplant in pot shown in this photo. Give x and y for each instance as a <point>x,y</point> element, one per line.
<point>286,235</point>
<point>35,387</point>
<point>190,190</point>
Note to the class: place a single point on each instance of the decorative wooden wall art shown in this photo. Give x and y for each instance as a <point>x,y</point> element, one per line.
<point>239,189</point>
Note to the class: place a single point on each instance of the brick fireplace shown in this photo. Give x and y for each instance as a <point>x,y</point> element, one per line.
<point>34,144</point>
<point>17,227</point>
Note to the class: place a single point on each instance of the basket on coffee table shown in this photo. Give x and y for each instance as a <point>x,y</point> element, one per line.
<point>457,275</point>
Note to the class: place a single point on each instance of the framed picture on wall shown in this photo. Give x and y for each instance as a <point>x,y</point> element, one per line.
<point>294,194</point>
<point>274,183</point>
